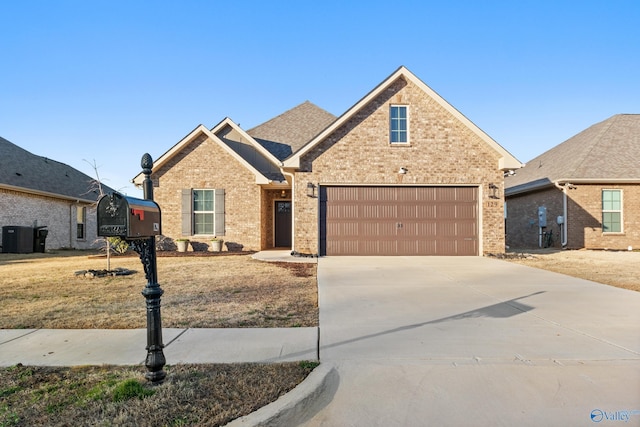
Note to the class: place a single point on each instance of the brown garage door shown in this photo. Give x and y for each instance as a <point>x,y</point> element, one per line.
<point>398,220</point>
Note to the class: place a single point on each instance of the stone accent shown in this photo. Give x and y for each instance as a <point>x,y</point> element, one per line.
<point>442,151</point>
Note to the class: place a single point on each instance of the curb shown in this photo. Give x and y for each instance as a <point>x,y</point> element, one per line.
<point>291,407</point>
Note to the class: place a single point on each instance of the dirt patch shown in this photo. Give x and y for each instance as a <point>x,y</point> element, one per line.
<point>615,268</point>
<point>298,269</point>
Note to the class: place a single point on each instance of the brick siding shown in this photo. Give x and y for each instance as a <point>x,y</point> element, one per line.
<point>522,218</point>
<point>23,209</point>
<point>442,151</point>
<point>203,164</point>
<point>584,217</point>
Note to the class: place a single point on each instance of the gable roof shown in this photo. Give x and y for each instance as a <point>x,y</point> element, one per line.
<point>23,171</point>
<point>288,132</point>
<point>201,129</point>
<point>247,148</point>
<point>262,148</point>
<point>608,151</point>
<point>507,161</point>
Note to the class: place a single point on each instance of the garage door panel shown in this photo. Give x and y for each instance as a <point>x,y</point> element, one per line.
<point>399,220</point>
<point>344,229</point>
<point>427,247</point>
<point>466,211</point>
<point>446,194</point>
<point>466,246</point>
<point>426,229</point>
<point>424,211</point>
<point>467,229</point>
<point>467,193</point>
<point>387,230</point>
<point>407,247</point>
<point>445,211</point>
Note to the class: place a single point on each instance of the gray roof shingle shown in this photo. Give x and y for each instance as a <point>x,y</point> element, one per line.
<point>22,169</point>
<point>609,150</point>
<point>287,133</point>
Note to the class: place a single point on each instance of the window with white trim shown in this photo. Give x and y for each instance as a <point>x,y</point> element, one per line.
<point>203,212</point>
<point>612,211</point>
<point>398,124</point>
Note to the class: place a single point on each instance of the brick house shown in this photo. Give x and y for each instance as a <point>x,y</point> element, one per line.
<point>401,172</point>
<point>587,188</point>
<point>36,191</point>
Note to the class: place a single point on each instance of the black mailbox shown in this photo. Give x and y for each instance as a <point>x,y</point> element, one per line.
<point>128,217</point>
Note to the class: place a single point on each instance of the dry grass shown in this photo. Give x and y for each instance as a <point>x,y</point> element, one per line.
<point>41,291</point>
<point>202,395</point>
<point>615,268</point>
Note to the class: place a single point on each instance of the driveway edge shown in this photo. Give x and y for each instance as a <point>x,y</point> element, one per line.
<point>290,408</point>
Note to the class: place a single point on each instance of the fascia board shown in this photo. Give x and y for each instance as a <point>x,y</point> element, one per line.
<point>598,181</point>
<point>535,186</point>
<point>528,187</point>
<point>46,194</point>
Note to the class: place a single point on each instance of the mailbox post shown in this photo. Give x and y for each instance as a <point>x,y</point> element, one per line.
<point>138,222</point>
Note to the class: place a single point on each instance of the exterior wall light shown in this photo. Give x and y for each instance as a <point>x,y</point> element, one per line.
<point>311,190</point>
<point>403,171</point>
<point>494,191</point>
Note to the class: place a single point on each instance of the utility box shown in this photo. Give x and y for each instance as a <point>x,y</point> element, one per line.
<point>17,239</point>
<point>128,217</point>
<point>542,216</point>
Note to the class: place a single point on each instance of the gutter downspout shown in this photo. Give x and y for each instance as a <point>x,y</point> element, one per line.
<point>563,188</point>
<point>293,207</point>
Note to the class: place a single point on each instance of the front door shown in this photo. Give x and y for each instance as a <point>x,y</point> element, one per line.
<point>283,224</point>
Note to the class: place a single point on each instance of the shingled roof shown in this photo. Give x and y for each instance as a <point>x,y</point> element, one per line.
<point>607,151</point>
<point>22,170</point>
<point>285,134</point>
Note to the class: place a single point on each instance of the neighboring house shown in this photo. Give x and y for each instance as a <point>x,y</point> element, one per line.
<point>39,192</point>
<point>589,187</point>
<point>401,172</point>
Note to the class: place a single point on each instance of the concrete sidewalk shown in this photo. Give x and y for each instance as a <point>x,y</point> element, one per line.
<point>71,347</point>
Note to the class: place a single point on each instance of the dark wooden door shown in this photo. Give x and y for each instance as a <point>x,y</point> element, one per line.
<point>283,224</point>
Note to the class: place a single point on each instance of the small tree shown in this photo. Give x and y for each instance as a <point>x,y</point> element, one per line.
<point>96,185</point>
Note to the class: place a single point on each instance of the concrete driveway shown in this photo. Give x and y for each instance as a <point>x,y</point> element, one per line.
<point>444,341</point>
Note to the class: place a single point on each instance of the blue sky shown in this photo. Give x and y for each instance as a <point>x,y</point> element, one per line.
<point>111,80</point>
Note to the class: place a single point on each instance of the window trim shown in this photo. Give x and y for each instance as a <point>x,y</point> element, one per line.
<point>194,212</point>
<point>188,212</point>
<point>620,211</point>
<point>81,213</point>
<point>399,132</point>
